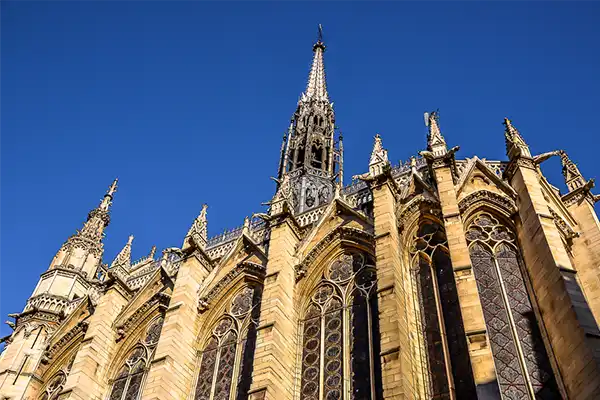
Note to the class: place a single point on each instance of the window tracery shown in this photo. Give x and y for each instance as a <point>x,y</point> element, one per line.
<point>439,316</point>
<point>522,365</point>
<point>227,356</point>
<point>127,384</point>
<point>337,331</point>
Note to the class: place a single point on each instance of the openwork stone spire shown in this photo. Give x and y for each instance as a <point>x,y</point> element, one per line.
<point>198,230</point>
<point>123,259</point>
<point>316,89</point>
<point>515,145</point>
<point>311,156</point>
<point>573,177</point>
<point>435,141</point>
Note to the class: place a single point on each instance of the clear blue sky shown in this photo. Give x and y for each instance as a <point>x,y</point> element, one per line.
<point>186,103</point>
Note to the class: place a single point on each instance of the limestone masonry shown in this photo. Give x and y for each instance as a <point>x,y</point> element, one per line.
<point>442,278</point>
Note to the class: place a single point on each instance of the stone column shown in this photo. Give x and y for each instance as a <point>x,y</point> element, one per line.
<point>393,282</point>
<point>172,374</point>
<point>480,353</point>
<point>88,378</point>
<point>563,309</point>
<point>275,355</point>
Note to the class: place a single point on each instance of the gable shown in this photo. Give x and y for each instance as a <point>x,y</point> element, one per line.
<point>478,176</point>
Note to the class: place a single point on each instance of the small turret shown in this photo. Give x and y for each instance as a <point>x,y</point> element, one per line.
<point>123,259</point>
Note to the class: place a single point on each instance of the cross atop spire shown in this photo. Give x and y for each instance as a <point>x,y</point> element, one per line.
<point>316,89</point>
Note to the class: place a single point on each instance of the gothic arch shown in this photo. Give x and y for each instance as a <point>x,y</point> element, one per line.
<point>441,352</point>
<point>522,363</point>
<point>55,375</point>
<point>339,352</point>
<point>226,349</point>
<point>133,361</point>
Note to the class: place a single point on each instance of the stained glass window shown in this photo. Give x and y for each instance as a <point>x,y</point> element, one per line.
<point>230,350</point>
<point>522,365</point>
<point>127,385</point>
<point>337,332</point>
<point>53,389</point>
<point>439,311</point>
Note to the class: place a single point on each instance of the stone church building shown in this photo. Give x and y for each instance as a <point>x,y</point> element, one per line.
<point>441,278</point>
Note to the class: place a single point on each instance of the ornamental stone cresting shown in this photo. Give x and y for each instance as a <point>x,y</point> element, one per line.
<point>441,278</point>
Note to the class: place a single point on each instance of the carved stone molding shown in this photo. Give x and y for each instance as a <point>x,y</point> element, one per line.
<point>159,301</point>
<point>75,332</point>
<point>341,234</point>
<point>249,268</point>
<point>419,202</point>
<point>496,200</point>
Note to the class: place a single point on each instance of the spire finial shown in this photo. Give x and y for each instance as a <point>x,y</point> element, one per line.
<point>515,145</point>
<point>198,230</point>
<point>316,88</point>
<point>379,157</point>
<point>123,259</point>
<point>107,200</point>
<point>573,177</point>
<point>435,141</point>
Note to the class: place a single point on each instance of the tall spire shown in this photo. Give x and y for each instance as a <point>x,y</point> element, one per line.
<point>515,145</point>
<point>83,250</point>
<point>310,147</point>
<point>435,141</point>
<point>316,89</point>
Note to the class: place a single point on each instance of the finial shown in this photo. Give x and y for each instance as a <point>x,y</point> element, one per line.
<point>152,252</point>
<point>515,145</point>
<point>379,157</point>
<point>246,222</point>
<point>320,33</point>
<point>112,188</point>
<point>130,240</point>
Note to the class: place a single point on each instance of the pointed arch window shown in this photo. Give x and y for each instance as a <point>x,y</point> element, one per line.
<point>57,382</point>
<point>523,368</point>
<point>338,333</point>
<point>227,355</point>
<point>442,337</point>
<point>127,385</point>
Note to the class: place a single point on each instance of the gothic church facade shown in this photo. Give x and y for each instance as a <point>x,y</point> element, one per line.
<point>442,278</point>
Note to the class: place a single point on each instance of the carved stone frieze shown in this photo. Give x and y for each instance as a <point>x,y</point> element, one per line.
<point>341,234</point>
<point>249,268</point>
